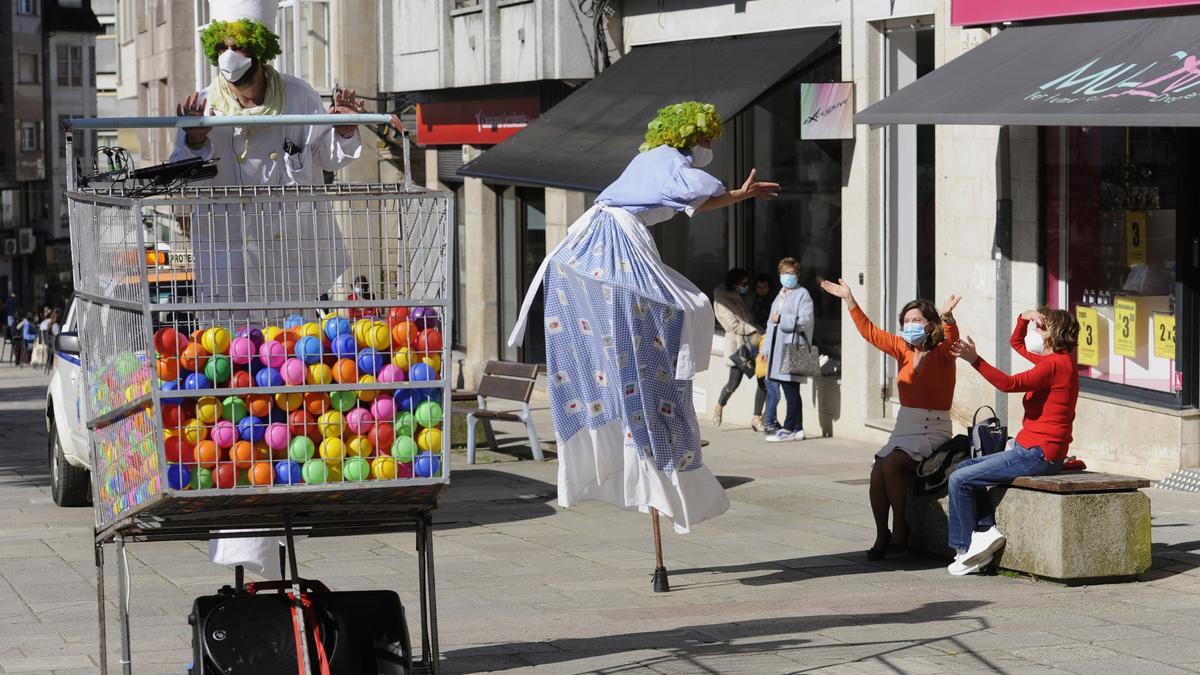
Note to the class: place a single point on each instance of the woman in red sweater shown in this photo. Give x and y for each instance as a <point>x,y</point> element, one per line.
<point>1051,390</point>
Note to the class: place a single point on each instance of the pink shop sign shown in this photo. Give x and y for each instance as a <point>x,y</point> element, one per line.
<point>983,12</point>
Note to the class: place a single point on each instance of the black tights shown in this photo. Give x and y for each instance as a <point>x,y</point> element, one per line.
<point>735,378</point>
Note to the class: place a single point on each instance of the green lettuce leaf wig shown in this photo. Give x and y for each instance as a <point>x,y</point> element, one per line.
<point>253,35</point>
<point>683,125</point>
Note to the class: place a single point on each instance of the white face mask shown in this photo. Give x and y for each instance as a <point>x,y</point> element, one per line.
<point>701,156</point>
<point>1034,342</point>
<point>233,64</point>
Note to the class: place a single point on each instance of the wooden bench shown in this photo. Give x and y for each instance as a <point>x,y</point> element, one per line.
<point>1077,526</point>
<point>506,382</point>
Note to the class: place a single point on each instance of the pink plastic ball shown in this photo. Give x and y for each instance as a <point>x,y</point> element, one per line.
<point>224,434</point>
<point>277,436</point>
<point>384,408</point>
<point>293,371</point>
<point>390,373</point>
<point>360,421</point>
<point>241,351</point>
<point>272,354</point>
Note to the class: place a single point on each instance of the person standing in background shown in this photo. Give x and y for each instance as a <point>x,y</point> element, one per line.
<point>791,322</point>
<point>736,317</point>
<point>767,396</point>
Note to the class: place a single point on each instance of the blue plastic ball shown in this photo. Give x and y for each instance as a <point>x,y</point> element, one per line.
<point>170,386</point>
<point>427,465</point>
<point>178,476</point>
<point>421,372</point>
<point>288,473</point>
<point>268,377</point>
<point>370,361</point>
<point>308,350</point>
<point>338,325</point>
<point>293,321</point>
<point>343,346</point>
<point>197,381</point>
<point>251,428</point>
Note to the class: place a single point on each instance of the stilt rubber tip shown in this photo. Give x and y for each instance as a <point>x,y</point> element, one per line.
<point>660,580</point>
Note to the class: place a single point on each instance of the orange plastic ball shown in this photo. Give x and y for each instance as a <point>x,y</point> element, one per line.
<point>403,334</point>
<point>194,357</point>
<point>345,371</point>
<point>289,338</point>
<point>316,403</point>
<point>261,473</point>
<point>242,454</point>
<point>259,405</point>
<point>167,368</point>
<point>207,453</point>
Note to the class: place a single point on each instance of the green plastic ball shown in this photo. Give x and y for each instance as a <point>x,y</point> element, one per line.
<point>126,363</point>
<point>219,369</point>
<point>343,401</point>
<point>233,408</point>
<point>406,424</point>
<point>301,449</point>
<point>429,414</point>
<point>404,449</point>
<point>315,471</point>
<point>202,479</point>
<point>356,469</point>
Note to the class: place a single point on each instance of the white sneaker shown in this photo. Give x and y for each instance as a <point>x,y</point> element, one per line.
<point>984,545</point>
<point>960,568</point>
<point>780,436</point>
<point>798,435</point>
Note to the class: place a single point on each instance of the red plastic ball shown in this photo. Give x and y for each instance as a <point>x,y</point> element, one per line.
<point>299,422</point>
<point>382,435</point>
<point>169,342</point>
<point>178,451</point>
<point>429,340</point>
<point>241,378</point>
<point>397,315</point>
<point>225,476</point>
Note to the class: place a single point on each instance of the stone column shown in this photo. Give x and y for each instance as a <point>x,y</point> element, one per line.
<point>563,207</point>
<point>479,267</point>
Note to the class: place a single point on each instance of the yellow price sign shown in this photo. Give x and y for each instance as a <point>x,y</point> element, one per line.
<point>1164,335</point>
<point>1125,331</point>
<point>1135,237</point>
<point>1089,336</point>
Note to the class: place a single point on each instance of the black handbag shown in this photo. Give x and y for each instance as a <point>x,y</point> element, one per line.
<point>801,358</point>
<point>743,359</point>
<point>988,436</point>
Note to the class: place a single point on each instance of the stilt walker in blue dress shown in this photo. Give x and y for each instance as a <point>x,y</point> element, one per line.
<point>625,334</point>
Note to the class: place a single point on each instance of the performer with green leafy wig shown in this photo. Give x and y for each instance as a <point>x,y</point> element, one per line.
<point>625,334</point>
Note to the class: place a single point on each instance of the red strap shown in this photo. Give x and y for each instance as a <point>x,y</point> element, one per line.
<point>314,628</point>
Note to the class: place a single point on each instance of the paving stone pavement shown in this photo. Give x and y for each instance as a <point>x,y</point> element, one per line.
<point>778,584</point>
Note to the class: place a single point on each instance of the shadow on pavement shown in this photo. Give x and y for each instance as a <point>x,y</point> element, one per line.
<point>1172,559</point>
<point>798,569</point>
<point>36,393</point>
<point>486,497</point>
<point>686,648</point>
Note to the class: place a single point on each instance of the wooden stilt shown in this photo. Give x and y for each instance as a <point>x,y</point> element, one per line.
<point>661,585</point>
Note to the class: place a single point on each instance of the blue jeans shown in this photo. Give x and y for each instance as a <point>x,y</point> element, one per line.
<point>771,418</point>
<point>972,477</point>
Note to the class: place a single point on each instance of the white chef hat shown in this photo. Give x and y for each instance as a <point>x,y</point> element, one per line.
<point>233,10</point>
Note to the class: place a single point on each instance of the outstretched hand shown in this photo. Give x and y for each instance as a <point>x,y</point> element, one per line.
<point>193,106</point>
<point>752,188</point>
<point>838,290</point>
<point>951,303</point>
<point>346,102</point>
<point>965,350</point>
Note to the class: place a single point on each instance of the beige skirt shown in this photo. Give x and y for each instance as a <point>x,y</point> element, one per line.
<point>918,432</point>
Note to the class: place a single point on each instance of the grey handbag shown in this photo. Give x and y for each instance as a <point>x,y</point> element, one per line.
<point>801,358</point>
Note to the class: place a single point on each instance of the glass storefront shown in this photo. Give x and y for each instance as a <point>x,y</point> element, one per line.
<point>1118,215</point>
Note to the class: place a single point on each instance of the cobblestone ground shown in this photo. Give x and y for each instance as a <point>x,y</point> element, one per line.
<point>778,584</point>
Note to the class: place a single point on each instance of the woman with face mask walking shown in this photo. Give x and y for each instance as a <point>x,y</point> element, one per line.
<point>736,316</point>
<point>925,378</point>
<point>791,322</point>
<point>1047,338</point>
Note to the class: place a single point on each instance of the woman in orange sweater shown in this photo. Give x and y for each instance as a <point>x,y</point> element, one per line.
<point>925,380</point>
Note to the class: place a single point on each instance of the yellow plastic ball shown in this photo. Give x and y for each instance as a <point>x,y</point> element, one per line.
<point>319,373</point>
<point>378,335</point>
<point>208,410</point>
<point>216,340</point>
<point>272,333</point>
<point>331,424</point>
<point>360,331</point>
<point>430,440</point>
<point>333,451</point>
<point>312,328</point>
<point>383,468</point>
<point>333,471</point>
<point>194,431</point>
<point>359,446</point>
<point>289,402</point>
<point>400,358</point>
<point>367,395</point>
<point>433,361</point>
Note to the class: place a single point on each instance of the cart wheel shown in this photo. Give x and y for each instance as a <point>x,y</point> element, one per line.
<point>70,486</point>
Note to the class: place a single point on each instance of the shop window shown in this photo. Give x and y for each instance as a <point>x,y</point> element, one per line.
<point>1118,221</point>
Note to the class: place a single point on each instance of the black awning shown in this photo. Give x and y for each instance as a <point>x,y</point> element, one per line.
<point>585,142</point>
<point>1137,72</point>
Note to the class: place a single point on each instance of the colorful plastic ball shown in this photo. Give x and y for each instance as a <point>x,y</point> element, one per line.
<point>359,420</point>
<point>343,346</point>
<point>293,321</point>
<point>194,431</point>
<point>216,340</point>
<point>427,465</point>
<point>318,373</point>
<point>404,469</point>
<point>317,403</point>
<point>337,325</point>
<point>382,435</point>
<point>242,454</point>
<point>193,357</point>
<point>301,449</point>
<point>404,449</point>
<point>288,339</point>
<point>378,336</point>
<point>178,476</point>
<point>172,416</point>
<point>293,372</point>
<point>370,361</point>
<point>208,410</point>
<point>178,451</point>
<point>315,471</point>
<point>252,428</point>
<point>271,334</point>
<point>196,382</point>
<point>429,340</point>
<point>224,433</point>
<point>406,423</point>
<point>433,361</point>
<point>425,318</point>
<point>397,314</point>
<point>345,371</point>
<point>390,373</point>
<point>310,329</point>
<point>219,369</point>
<point>384,408</point>
<point>261,473</point>
<point>269,377</point>
<point>343,401</point>
<point>356,470</point>
<point>421,372</point>
<point>332,449</point>
<point>289,402</point>
<point>403,334</point>
<point>233,408</point>
<point>359,446</point>
<point>429,414</point>
<point>168,341</point>
<point>255,335</point>
<point>225,476</point>
<point>331,424</point>
<point>207,453</point>
<point>272,354</point>
<point>241,379</point>
<point>430,440</point>
<point>383,468</point>
<point>401,358</point>
<point>276,436</point>
<point>308,349</point>
<point>167,368</point>
<point>259,405</point>
<point>367,395</point>
<point>288,472</point>
<point>242,350</point>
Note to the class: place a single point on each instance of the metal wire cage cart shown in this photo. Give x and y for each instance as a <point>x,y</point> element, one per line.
<point>266,359</point>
